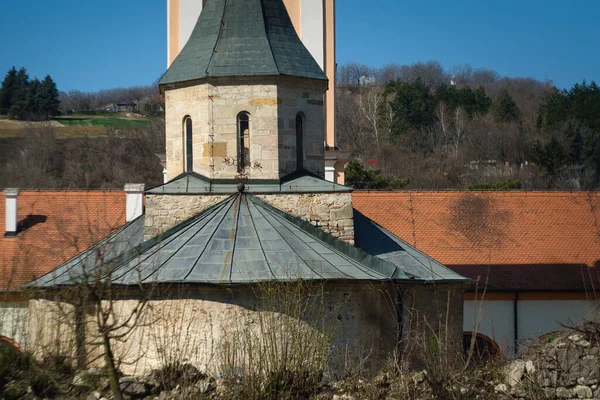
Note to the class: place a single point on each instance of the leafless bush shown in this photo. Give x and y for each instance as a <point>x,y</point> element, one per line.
<point>283,349</point>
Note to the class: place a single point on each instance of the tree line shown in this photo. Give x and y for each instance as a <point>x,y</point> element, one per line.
<point>25,99</point>
<point>437,129</point>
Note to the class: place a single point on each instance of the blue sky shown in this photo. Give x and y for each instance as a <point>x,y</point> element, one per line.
<point>91,45</point>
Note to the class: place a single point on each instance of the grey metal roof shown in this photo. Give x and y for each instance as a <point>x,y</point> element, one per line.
<point>238,241</point>
<point>383,244</point>
<point>192,183</point>
<point>243,38</point>
<point>84,266</point>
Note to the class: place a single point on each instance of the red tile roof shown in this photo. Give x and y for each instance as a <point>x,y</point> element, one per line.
<point>53,227</point>
<point>507,231</point>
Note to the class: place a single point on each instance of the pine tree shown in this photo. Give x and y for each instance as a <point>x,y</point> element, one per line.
<point>33,101</point>
<point>505,108</point>
<point>48,98</point>
<point>19,96</point>
<point>9,85</point>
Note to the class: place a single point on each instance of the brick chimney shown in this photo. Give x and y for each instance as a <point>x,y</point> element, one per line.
<point>134,200</point>
<point>11,212</point>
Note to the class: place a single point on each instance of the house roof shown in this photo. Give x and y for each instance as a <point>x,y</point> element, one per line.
<point>53,227</point>
<point>243,38</point>
<point>239,240</point>
<point>302,182</point>
<point>550,232</point>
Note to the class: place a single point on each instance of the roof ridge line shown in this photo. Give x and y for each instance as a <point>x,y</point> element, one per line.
<point>332,241</point>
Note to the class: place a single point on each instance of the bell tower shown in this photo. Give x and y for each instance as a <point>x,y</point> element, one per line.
<point>244,98</point>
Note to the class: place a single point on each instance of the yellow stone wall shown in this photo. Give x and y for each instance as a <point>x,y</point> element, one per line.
<point>272,104</point>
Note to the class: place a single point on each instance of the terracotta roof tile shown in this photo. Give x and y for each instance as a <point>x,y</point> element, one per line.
<point>53,227</point>
<point>493,228</point>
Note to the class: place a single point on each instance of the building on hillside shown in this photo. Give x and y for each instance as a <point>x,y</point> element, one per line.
<point>534,255</point>
<point>246,205</point>
<point>314,21</point>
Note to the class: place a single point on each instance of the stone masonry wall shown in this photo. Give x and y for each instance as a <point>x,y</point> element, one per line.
<point>194,325</point>
<point>566,366</point>
<point>165,211</point>
<point>271,104</point>
<point>332,212</point>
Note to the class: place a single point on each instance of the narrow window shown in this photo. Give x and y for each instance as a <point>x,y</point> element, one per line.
<point>188,145</point>
<point>299,142</point>
<point>243,141</point>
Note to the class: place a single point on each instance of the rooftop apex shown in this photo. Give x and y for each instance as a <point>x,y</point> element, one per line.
<point>243,38</point>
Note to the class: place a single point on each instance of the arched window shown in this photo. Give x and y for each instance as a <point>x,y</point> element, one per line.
<point>299,142</point>
<point>189,151</point>
<point>243,126</point>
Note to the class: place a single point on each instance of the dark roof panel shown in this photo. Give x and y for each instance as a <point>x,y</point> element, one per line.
<point>243,38</point>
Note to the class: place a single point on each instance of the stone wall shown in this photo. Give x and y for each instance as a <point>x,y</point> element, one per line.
<point>332,212</point>
<point>196,324</point>
<point>565,365</point>
<point>432,313</point>
<point>165,211</point>
<point>271,104</point>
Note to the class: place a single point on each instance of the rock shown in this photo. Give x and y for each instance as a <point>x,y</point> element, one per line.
<point>501,388</point>
<point>205,386</point>
<point>343,397</point>
<point>529,367</point>
<point>583,392</point>
<point>575,338</point>
<point>134,387</point>
<point>564,393</point>
<point>515,372</point>
<point>584,343</point>
<point>94,396</point>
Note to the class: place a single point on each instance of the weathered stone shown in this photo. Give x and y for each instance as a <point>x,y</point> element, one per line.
<point>134,387</point>
<point>346,212</point>
<point>94,396</point>
<point>529,367</point>
<point>515,372</point>
<point>583,392</point>
<point>501,388</point>
<point>564,393</point>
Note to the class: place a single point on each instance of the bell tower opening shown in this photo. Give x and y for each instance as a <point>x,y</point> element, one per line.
<point>189,142</point>
<point>243,122</point>
<point>299,142</point>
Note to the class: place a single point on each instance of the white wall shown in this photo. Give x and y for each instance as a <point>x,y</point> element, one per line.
<point>313,29</point>
<point>535,318</point>
<point>14,322</point>
<point>495,320</point>
<point>189,13</point>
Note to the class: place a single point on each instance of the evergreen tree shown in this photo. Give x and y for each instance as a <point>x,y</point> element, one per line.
<point>33,101</point>
<point>48,98</point>
<point>19,96</point>
<point>505,109</point>
<point>412,105</point>
<point>9,85</point>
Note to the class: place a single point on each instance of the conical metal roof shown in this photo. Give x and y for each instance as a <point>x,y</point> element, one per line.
<point>243,38</point>
<point>240,240</point>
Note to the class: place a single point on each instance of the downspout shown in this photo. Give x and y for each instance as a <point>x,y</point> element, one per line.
<point>516,322</point>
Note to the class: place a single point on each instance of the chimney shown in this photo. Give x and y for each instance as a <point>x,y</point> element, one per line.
<point>11,212</point>
<point>135,200</point>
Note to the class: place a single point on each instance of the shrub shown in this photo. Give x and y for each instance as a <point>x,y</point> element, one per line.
<point>501,185</point>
